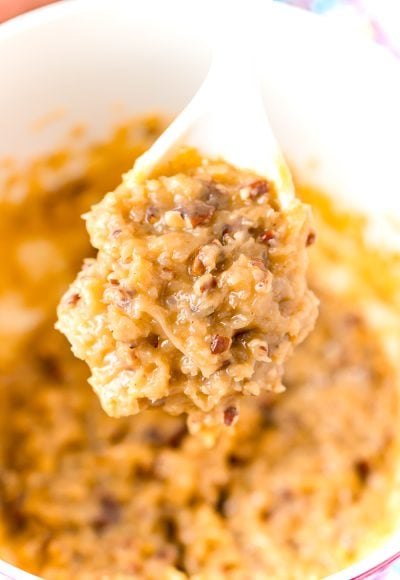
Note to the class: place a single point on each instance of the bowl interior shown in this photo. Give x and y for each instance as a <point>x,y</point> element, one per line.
<point>333,105</point>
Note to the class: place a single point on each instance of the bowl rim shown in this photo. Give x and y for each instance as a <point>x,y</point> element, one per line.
<point>381,557</point>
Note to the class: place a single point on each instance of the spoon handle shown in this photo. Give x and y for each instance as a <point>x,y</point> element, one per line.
<point>227,118</point>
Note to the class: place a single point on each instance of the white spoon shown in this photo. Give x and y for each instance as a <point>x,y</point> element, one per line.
<point>226,118</point>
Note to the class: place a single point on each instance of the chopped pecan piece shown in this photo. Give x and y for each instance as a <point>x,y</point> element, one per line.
<point>197,213</point>
<point>226,233</point>
<point>255,189</point>
<point>362,469</point>
<point>230,415</point>
<point>73,299</point>
<point>51,367</point>
<point>153,340</point>
<point>352,319</point>
<point>220,344</point>
<point>177,436</point>
<point>266,236</point>
<point>109,513</point>
<point>312,236</point>
<point>214,194</point>
<point>258,188</point>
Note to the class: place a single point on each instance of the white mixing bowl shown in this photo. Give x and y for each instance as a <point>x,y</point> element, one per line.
<point>333,101</point>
